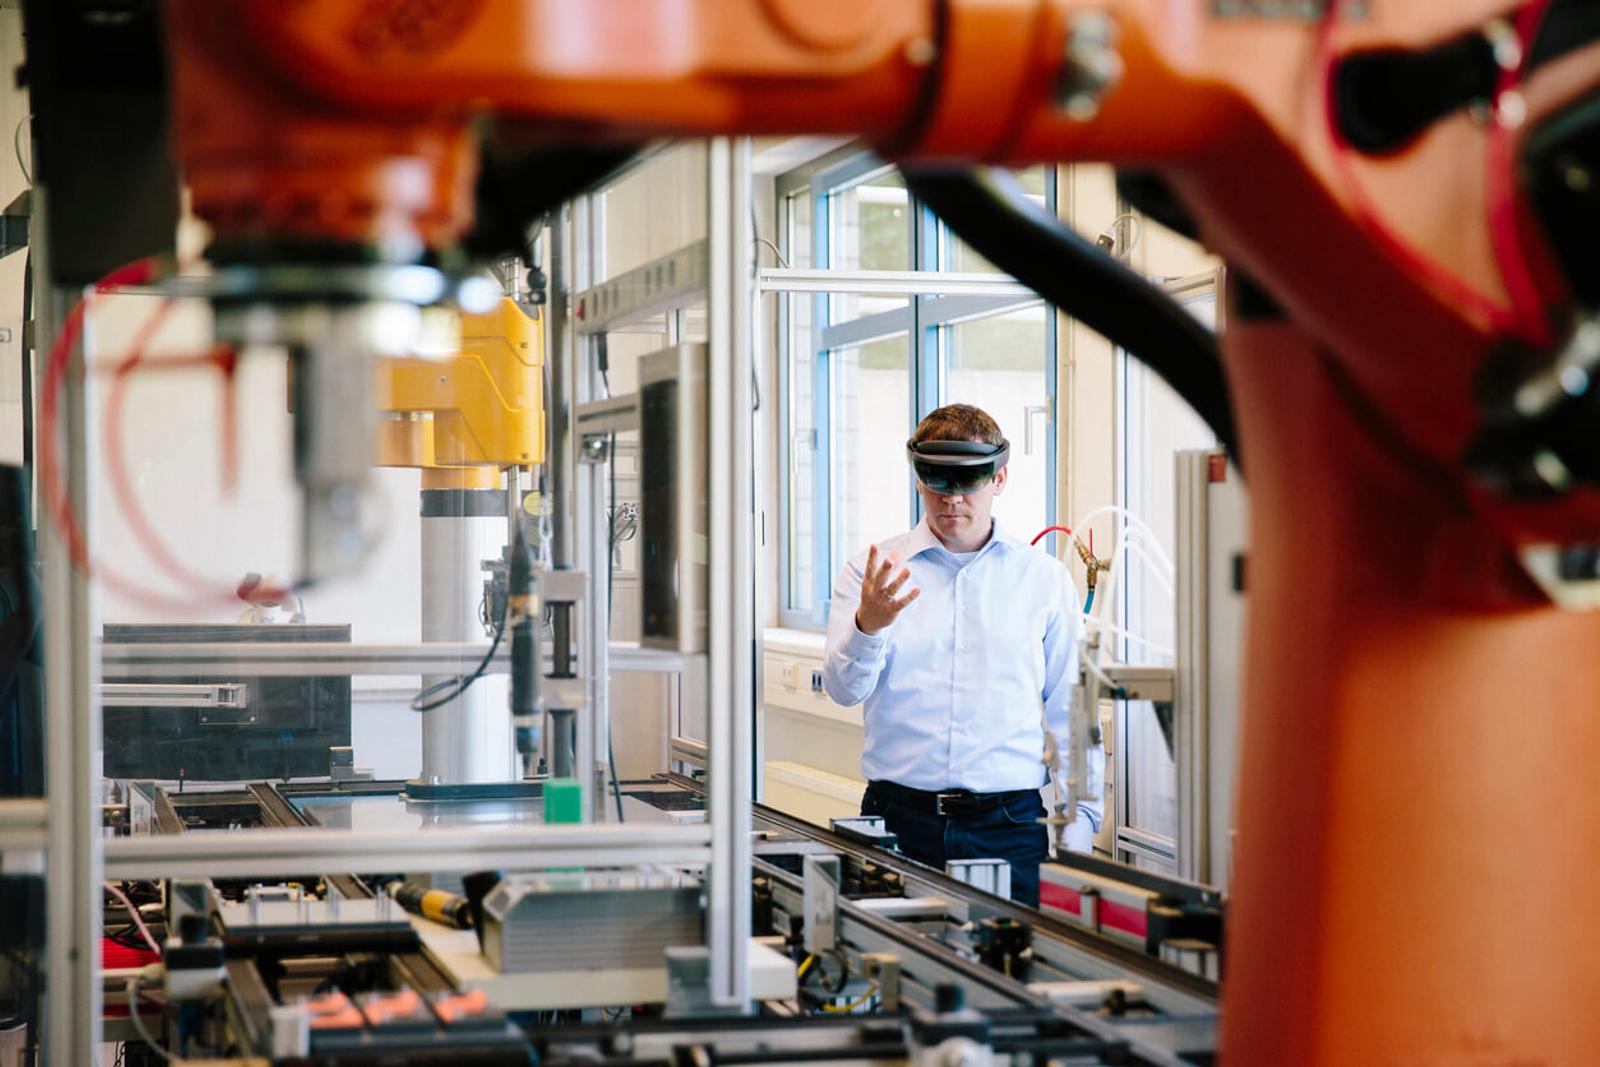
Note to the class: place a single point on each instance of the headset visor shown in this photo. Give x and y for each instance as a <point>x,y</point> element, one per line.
<point>956,468</point>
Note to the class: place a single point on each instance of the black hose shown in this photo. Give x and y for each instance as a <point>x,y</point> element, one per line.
<point>990,212</point>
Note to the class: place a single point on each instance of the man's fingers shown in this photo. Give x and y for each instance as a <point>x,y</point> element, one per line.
<point>887,567</point>
<point>899,605</point>
<point>899,580</point>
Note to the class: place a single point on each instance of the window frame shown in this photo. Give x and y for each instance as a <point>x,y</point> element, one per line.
<point>1133,843</point>
<point>922,319</point>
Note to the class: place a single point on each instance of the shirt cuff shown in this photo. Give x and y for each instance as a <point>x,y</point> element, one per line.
<point>858,645</point>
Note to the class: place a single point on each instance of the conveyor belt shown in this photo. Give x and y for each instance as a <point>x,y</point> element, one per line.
<point>1147,968</point>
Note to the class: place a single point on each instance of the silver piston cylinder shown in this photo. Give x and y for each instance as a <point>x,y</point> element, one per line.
<point>468,739</point>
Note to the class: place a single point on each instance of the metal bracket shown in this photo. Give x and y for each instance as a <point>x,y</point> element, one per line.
<point>562,586</point>
<point>1141,682</point>
<point>672,281</point>
<point>568,694</point>
<point>233,695</point>
<point>617,414</point>
<point>821,902</point>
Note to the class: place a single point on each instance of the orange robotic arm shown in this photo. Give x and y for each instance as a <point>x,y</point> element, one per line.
<point>1414,706</point>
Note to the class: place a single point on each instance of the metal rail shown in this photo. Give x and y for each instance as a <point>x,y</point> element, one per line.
<point>928,963</point>
<point>1092,953</point>
<point>334,658</point>
<point>890,283</point>
<point>286,852</point>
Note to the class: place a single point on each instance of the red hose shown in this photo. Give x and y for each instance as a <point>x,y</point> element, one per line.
<point>57,504</point>
<point>1042,534</point>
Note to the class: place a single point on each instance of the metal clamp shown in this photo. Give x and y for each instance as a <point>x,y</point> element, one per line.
<point>1093,66</point>
<point>568,694</point>
<point>562,586</point>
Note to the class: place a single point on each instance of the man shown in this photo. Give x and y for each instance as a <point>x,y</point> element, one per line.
<point>962,641</point>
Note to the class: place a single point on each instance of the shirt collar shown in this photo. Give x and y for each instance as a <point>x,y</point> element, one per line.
<point>923,539</point>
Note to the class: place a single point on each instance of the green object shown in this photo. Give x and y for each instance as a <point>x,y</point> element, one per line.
<point>563,801</point>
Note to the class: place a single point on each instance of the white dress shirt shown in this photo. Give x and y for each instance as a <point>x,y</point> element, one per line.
<point>960,688</point>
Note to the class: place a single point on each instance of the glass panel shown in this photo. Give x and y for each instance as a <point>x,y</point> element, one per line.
<point>961,259</point>
<point>998,363</point>
<point>1152,775</point>
<point>871,481</point>
<point>655,209</point>
<point>871,225</point>
<point>800,396</point>
<point>870,229</point>
<point>797,230</point>
<point>1157,425</point>
<point>214,518</point>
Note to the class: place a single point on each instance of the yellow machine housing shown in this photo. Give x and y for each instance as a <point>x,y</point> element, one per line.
<point>463,417</point>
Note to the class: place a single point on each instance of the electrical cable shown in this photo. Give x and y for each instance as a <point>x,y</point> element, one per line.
<point>16,146</point>
<point>138,1023</point>
<point>138,919</point>
<point>611,556</point>
<point>421,702</point>
<point>845,1009</point>
<point>1110,232</point>
<point>1504,234</point>
<point>1524,320</point>
<point>990,212</point>
<point>776,251</point>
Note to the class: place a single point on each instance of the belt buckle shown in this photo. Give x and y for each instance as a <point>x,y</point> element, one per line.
<point>948,804</point>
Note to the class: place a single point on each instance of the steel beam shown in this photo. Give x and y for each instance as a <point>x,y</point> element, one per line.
<point>333,659</point>
<point>286,852</point>
<point>890,283</point>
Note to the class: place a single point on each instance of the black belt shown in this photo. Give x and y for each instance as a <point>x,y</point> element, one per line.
<point>946,802</point>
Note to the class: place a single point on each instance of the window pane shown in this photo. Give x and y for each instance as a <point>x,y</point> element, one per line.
<point>1152,775</point>
<point>870,410</point>
<point>998,363</point>
<point>797,230</point>
<point>871,225</point>
<point>801,399</point>
<point>961,259</point>
<point>1157,424</point>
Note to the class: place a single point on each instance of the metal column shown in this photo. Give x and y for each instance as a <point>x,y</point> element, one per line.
<point>468,739</point>
<point>567,241</point>
<point>73,1002</point>
<point>731,646</point>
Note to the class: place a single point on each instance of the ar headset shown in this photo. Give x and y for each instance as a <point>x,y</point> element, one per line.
<point>956,468</point>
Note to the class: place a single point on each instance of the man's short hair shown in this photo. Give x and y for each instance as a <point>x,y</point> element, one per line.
<point>958,422</point>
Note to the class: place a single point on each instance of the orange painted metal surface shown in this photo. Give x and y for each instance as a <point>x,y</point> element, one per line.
<point>266,162</point>
<point>1414,868</point>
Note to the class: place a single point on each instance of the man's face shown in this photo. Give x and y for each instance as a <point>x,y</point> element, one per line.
<point>962,522</point>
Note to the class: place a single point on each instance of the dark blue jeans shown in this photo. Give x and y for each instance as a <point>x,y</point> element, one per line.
<point>1010,832</point>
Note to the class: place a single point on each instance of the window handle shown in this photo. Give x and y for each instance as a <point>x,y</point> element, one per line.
<point>1027,421</point>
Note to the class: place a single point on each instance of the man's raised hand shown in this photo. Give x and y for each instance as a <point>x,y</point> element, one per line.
<point>879,606</point>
